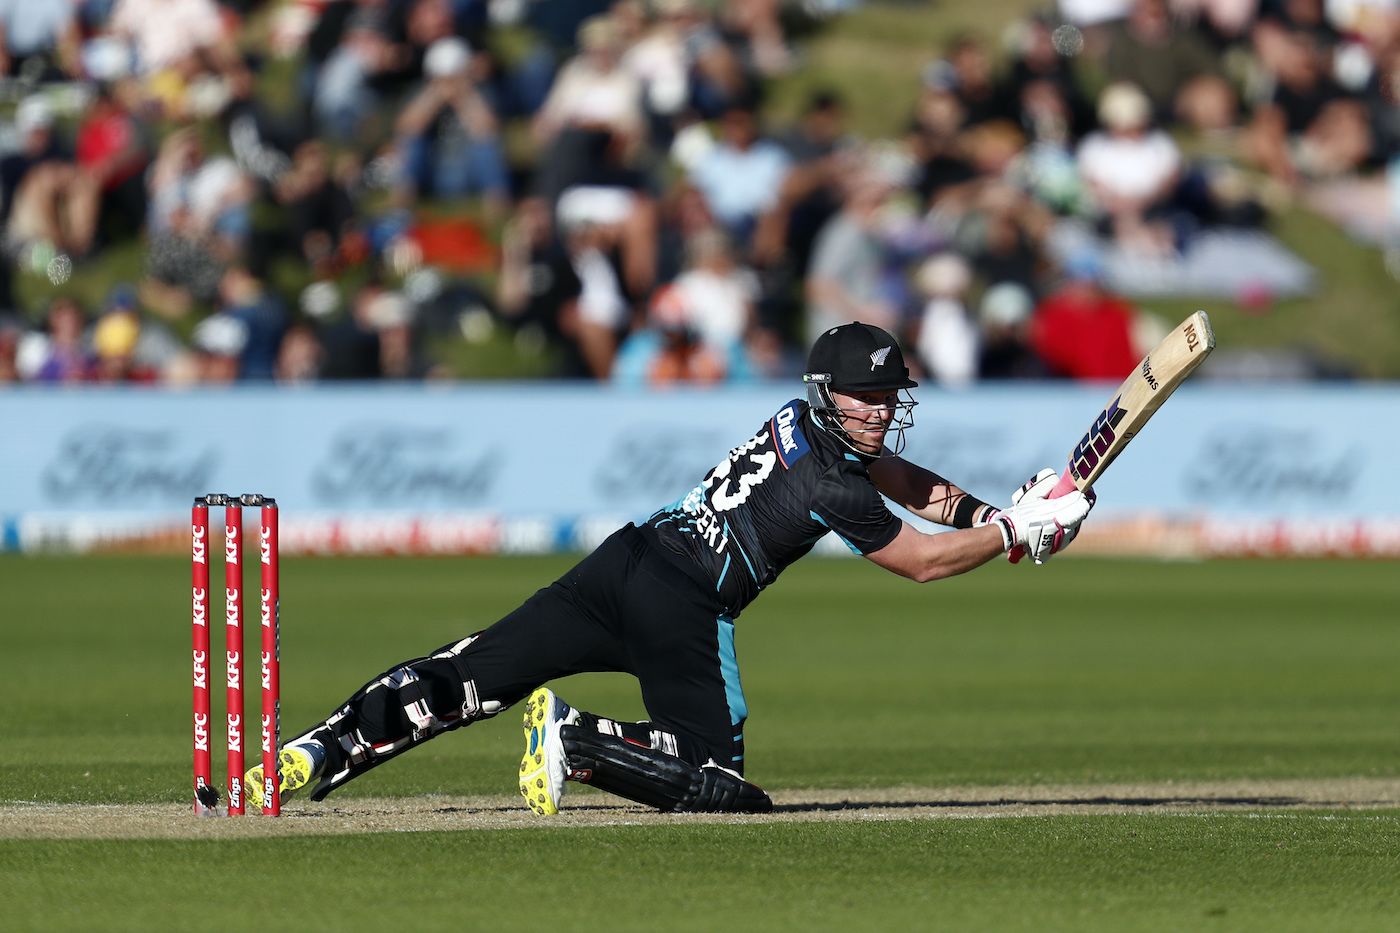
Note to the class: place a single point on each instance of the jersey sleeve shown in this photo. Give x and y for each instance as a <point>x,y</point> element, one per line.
<point>847,502</point>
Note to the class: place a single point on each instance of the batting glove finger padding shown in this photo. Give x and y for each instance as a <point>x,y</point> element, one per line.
<point>1037,487</point>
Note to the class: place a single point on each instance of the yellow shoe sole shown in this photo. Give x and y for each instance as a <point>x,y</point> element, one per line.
<point>293,773</point>
<point>534,773</point>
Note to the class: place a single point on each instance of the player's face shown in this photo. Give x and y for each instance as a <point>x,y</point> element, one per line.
<point>866,416</point>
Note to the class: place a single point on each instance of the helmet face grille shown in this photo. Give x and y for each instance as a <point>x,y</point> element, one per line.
<point>832,417</point>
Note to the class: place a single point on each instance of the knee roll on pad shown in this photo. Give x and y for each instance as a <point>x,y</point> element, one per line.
<point>655,778</point>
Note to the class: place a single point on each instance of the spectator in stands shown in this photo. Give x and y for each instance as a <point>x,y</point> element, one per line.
<point>219,342</point>
<point>1047,168</point>
<point>989,218</point>
<point>536,278</point>
<point>718,76</point>
<point>935,137</point>
<point>666,350</point>
<point>1176,68</point>
<point>1036,61</point>
<point>157,347</point>
<point>393,316</point>
<point>743,175</point>
<point>821,153</point>
<point>844,281</point>
<point>301,357</point>
<point>447,135</point>
<point>38,204</point>
<point>166,33</point>
<point>369,53</point>
<point>661,63</point>
<point>1083,331</point>
<point>321,214</point>
<point>758,25</point>
<point>1004,319</point>
<point>39,39</point>
<point>245,299</point>
<point>67,358</point>
<point>1303,17</point>
<point>352,343</point>
<point>714,297</point>
<point>114,340</point>
<point>946,341</point>
<point>1131,172</point>
<point>184,51</point>
<point>591,126</point>
<point>974,84</point>
<point>591,221</point>
<point>113,151</point>
<point>1309,127</point>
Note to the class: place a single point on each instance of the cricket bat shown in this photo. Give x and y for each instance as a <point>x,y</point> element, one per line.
<point>1151,383</point>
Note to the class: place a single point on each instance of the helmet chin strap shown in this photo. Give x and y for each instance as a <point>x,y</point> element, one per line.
<point>829,416</point>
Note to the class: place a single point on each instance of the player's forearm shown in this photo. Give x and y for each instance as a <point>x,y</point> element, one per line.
<point>956,552</point>
<point>928,495</point>
<point>921,557</point>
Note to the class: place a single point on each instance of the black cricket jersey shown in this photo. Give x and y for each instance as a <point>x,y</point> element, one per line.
<point>768,502</point>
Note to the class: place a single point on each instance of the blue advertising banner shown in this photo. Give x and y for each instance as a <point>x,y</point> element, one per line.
<point>550,453</point>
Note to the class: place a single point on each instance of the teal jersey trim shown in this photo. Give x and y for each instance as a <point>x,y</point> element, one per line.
<point>854,549</point>
<point>729,670</point>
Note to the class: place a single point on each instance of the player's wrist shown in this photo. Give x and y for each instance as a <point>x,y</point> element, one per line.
<point>1007,527</point>
<point>971,512</point>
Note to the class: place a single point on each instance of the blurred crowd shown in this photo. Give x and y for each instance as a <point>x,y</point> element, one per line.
<point>602,185</point>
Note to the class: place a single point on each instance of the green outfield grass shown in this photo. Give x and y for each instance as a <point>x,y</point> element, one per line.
<point>1078,673</point>
<point>1111,873</point>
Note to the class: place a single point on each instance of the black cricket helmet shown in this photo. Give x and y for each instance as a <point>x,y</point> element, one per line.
<point>856,359</point>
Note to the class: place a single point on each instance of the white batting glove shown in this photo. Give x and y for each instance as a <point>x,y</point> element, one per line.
<point>1043,526</point>
<point>1037,487</point>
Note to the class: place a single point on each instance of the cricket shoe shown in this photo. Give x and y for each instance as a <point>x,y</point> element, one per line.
<point>297,766</point>
<point>543,768</point>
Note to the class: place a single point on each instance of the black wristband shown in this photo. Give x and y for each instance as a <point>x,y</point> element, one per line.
<point>969,510</point>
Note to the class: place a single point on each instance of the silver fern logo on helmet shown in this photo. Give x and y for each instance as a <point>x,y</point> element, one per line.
<point>878,357</point>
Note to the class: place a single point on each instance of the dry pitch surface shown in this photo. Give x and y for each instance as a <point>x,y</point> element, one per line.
<point>442,813</point>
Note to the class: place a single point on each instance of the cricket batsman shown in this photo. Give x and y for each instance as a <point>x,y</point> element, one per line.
<point>660,601</point>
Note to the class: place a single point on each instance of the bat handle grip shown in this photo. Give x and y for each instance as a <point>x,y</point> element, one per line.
<point>1065,484</point>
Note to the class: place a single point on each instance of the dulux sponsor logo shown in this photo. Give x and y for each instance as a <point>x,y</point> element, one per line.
<point>201,596</point>
<point>201,670</point>
<point>785,428</point>
<point>201,732</point>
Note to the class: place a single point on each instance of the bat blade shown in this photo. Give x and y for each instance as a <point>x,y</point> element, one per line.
<point>1151,383</point>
